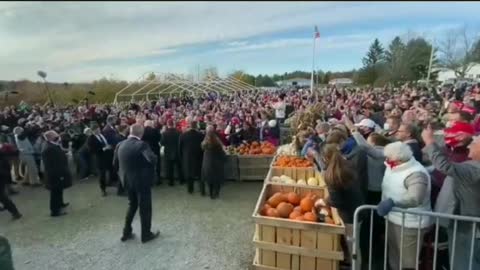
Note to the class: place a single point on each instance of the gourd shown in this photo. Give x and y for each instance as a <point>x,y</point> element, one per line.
<point>312,181</point>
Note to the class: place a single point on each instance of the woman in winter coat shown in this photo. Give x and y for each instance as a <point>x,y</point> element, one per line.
<point>213,163</point>
<point>27,152</point>
<point>345,192</point>
<point>406,184</point>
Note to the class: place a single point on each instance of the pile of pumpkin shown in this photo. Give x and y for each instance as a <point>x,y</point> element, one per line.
<point>290,205</point>
<point>311,181</point>
<point>292,161</point>
<point>256,148</point>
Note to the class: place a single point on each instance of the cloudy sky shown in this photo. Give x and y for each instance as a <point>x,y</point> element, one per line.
<point>84,41</point>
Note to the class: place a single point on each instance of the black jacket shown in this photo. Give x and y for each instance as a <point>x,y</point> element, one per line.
<point>191,153</point>
<point>417,150</point>
<point>152,137</point>
<point>213,164</point>
<point>358,158</point>
<point>170,140</point>
<point>5,176</point>
<point>55,162</point>
<point>95,146</point>
<point>347,198</point>
<point>7,152</point>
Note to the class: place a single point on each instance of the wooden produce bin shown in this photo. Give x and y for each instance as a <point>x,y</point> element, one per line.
<point>284,244</point>
<point>254,167</point>
<point>296,174</point>
<point>231,168</point>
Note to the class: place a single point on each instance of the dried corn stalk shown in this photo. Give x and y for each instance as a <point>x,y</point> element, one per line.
<point>307,118</point>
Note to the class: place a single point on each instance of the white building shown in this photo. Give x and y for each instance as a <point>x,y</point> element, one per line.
<point>473,73</point>
<point>341,81</point>
<point>301,82</point>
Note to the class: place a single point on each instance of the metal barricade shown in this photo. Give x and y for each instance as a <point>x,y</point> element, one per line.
<point>436,217</point>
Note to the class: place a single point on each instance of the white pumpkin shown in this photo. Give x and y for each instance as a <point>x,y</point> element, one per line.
<point>276,179</point>
<point>312,181</point>
<point>291,182</point>
<point>301,182</point>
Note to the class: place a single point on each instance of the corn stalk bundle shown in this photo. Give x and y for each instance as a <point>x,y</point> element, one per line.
<point>306,119</point>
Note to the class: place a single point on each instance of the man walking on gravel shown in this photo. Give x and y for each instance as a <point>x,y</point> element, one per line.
<point>58,176</point>
<point>137,170</point>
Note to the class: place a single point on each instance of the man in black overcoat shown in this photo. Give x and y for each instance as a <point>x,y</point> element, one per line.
<point>170,139</point>
<point>191,154</point>
<point>111,134</point>
<point>137,170</point>
<point>58,176</point>
<point>152,137</point>
<point>5,180</point>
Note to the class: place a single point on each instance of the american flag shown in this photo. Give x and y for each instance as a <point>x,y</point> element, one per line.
<point>317,34</point>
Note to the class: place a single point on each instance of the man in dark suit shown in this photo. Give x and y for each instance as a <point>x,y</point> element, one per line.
<point>58,176</point>
<point>5,180</point>
<point>112,136</point>
<point>137,170</point>
<point>191,154</point>
<point>152,137</point>
<point>110,132</point>
<point>99,146</point>
<point>170,139</point>
<point>122,135</point>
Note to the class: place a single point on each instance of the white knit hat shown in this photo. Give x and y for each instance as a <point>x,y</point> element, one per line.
<point>272,123</point>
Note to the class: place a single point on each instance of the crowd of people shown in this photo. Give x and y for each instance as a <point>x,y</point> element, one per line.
<point>375,146</point>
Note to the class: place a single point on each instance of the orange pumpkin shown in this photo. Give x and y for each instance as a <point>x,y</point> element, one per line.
<point>298,209</point>
<point>295,214</point>
<point>293,198</point>
<point>272,212</point>
<point>311,195</point>
<point>284,209</point>
<point>276,199</point>
<point>310,216</point>
<point>300,218</point>
<point>265,209</point>
<point>306,204</point>
<point>292,161</point>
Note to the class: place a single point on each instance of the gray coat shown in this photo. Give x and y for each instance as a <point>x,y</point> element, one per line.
<point>466,177</point>
<point>136,164</point>
<point>375,162</point>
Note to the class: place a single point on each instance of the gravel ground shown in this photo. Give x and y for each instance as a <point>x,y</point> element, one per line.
<point>196,232</point>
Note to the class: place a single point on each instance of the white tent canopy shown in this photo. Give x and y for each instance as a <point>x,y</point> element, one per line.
<point>148,87</point>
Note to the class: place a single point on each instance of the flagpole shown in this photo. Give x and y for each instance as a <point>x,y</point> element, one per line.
<point>313,63</point>
<point>430,64</point>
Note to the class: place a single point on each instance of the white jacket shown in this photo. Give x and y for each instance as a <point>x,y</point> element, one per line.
<point>393,186</point>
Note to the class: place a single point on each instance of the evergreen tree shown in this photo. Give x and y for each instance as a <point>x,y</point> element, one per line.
<point>375,54</point>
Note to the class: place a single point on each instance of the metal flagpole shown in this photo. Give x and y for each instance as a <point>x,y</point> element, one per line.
<point>313,63</point>
<point>430,64</point>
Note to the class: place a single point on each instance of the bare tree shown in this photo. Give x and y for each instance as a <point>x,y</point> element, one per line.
<point>456,51</point>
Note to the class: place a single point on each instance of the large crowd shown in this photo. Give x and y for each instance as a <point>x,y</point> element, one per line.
<point>409,147</point>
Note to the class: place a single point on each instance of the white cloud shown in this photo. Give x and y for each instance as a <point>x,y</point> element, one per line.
<point>67,36</point>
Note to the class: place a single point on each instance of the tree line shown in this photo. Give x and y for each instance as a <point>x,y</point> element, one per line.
<point>403,60</point>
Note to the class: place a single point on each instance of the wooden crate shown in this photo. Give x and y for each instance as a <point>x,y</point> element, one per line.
<point>295,173</point>
<point>283,244</point>
<point>231,168</point>
<point>254,167</point>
